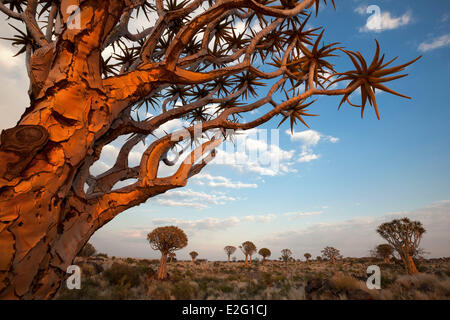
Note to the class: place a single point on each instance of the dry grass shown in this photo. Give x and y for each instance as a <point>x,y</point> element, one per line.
<point>118,278</point>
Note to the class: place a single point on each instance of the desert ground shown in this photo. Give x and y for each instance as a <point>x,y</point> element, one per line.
<point>127,278</point>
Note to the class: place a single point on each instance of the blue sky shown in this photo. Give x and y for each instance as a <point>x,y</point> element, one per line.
<point>356,173</point>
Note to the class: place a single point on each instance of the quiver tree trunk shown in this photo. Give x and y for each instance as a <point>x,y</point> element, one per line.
<point>162,271</point>
<point>45,218</point>
<point>410,266</point>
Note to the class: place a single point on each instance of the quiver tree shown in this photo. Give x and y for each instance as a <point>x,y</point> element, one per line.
<point>171,256</point>
<point>286,255</point>
<point>193,254</point>
<point>307,256</point>
<point>167,240</point>
<point>331,254</point>
<point>404,236</point>
<point>264,252</point>
<point>229,250</point>
<point>248,248</point>
<point>92,80</point>
<point>384,251</point>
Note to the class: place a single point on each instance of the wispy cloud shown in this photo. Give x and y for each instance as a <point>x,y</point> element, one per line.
<point>192,199</point>
<point>309,139</point>
<point>436,43</point>
<point>211,223</point>
<point>219,181</point>
<point>302,214</point>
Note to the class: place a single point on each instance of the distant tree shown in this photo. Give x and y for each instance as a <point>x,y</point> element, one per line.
<point>331,254</point>
<point>264,252</point>
<point>319,258</point>
<point>193,254</point>
<point>285,255</point>
<point>171,255</point>
<point>404,236</point>
<point>307,256</point>
<point>87,251</point>
<point>384,251</point>
<point>166,240</point>
<point>248,248</point>
<point>234,259</point>
<point>229,250</point>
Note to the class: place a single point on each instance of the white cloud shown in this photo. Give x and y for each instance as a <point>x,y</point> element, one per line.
<point>7,60</point>
<point>192,199</point>
<point>211,223</point>
<point>309,139</point>
<point>307,157</point>
<point>361,10</point>
<point>383,21</point>
<point>14,80</point>
<point>219,181</point>
<point>445,17</point>
<point>133,234</point>
<point>302,214</point>
<point>252,153</point>
<point>436,43</point>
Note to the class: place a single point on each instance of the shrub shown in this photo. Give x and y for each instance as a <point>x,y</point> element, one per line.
<point>121,274</point>
<point>225,288</point>
<point>130,260</point>
<point>254,287</point>
<point>87,251</point>
<point>387,279</point>
<point>183,290</point>
<point>89,291</point>
<point>344,282</point>
<point>160,292</point>
<point>88,269</point>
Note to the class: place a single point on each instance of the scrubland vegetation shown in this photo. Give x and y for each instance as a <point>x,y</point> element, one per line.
<point>127,278</point>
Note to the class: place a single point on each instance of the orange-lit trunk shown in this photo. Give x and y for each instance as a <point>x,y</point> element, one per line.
<point>162,272</point>
<point>43,223</point>
<point>410,265</point>
<point>246,259</point>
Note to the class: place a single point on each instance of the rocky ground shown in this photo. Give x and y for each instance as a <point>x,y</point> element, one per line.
<point>119,278</point>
